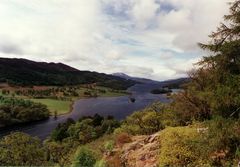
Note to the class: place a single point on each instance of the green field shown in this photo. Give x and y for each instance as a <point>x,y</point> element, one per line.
<point>62,107</point>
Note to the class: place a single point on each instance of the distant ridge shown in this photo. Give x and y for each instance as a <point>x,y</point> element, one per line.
<point>27,72</point>
<point>171,84</point>
<point>137,79</point>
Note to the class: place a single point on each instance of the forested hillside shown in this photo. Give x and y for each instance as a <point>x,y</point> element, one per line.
<point>25,73</point>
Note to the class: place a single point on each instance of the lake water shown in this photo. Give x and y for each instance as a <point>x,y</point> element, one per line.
<point>119,107</point>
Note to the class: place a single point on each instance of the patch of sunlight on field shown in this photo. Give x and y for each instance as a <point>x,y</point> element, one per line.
<point>62,107</point>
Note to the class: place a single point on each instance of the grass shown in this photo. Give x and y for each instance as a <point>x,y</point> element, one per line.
<point>62,107</point>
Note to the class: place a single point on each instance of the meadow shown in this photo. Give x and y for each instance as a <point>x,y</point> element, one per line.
<point>58,100</point>
<point>58,106</point>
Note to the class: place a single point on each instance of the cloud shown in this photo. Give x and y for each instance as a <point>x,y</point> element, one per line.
<point>9,48</point>
<point>145,38</point>
<point>113,54</point>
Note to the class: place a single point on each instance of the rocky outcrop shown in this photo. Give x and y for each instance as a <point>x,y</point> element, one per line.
<point>141,152</point>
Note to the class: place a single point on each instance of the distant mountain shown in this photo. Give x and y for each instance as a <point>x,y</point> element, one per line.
<point>26,72</point>
<point>141,80</point>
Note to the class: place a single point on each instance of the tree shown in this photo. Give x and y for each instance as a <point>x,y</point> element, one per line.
<point>19,149</point>
<point>215,87</point>
<point>13,111</point>
<point>144,122</point>
<point>60,153</point>
<point>85,158</point>
<point>225,63</point>
<point>61,131</point>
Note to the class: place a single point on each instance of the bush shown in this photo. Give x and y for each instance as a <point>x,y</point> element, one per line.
<point>213,143</point>
<point>145,122</point>
<point>19,149</point>
<point>60,152</point>
<point>86,129</point>
<point>84,158</point>
<point>223,140</point>
<point>61,131</point>
<point>176,149</point>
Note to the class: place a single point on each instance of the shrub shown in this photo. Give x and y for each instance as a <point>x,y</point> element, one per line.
<point>179,147</point>
<point>147,121</point>
<point>84,158</point>
<point>212,143</point>
<point>223,140</point>
<point>19,149</point>
<point>60,152</point>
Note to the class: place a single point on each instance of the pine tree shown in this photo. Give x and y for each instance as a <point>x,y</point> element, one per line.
<point>215,87</point>
<point>225,44</point>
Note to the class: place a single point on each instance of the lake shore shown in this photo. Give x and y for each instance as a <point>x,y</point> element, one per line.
<point>119,107</point>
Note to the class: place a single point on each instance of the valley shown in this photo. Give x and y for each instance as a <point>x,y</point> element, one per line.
<point>138,93</point>
<point>58,99</point>
<point>106,105</point>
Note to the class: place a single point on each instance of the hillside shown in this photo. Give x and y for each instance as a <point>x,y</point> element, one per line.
<point>137,79</point>
<point>26,72</point>
<point>171,84</point>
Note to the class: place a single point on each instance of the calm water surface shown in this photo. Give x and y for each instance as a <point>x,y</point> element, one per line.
<point>119,107</point>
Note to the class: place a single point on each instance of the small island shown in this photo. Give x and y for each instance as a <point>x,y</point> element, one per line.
<point>161,91</point>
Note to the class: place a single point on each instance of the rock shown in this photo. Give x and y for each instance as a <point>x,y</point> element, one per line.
<point>142,152</point>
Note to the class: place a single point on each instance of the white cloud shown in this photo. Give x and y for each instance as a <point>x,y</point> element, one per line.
<point>144,11</point>
<point>145,38</point>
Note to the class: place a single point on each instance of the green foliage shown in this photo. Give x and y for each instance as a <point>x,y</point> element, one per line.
<point>178,147</point>
<point>147,121</point>
<point>86,129</point>
<point>84,158</point>
<point>109,125</point>
<point>18,149</point>
<point>60,153</point>
<point>13,111</point>
<point>61,131</point>
<point>223,137</point>
<point>214,87</point>
<point>212,143</point>
<point>82,131</point>
<point>109,145</point>
<point>25,72</point>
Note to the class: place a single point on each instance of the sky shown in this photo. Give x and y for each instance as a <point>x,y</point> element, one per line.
<point>155,39</point>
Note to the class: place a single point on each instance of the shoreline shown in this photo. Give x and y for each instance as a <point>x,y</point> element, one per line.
<point>73,101</point>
